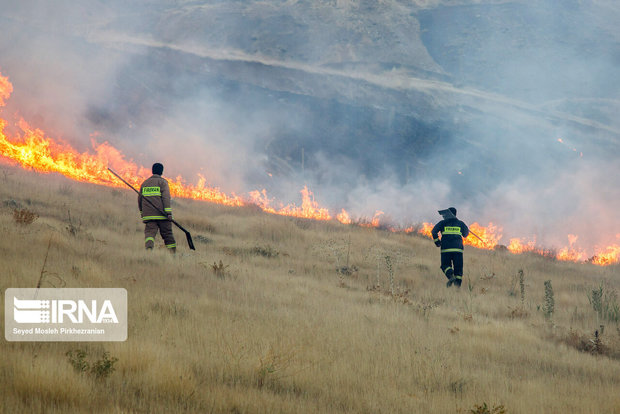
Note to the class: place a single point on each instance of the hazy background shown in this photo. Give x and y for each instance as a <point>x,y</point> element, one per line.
<point>399,106</point>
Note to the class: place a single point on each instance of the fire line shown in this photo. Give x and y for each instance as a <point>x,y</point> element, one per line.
<point>33,150</point>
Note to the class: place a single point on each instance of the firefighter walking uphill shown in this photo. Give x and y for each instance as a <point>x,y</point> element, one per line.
<point>158,192</point>
<point>451,243</point>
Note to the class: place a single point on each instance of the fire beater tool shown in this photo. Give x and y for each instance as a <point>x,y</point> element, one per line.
<point>447,214</point>
<point>187,234</point>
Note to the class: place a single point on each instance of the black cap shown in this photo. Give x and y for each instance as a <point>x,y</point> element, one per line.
<point>158,168</point>
<point>453,210</point>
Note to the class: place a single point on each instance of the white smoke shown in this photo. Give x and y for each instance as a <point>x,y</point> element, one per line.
<point>393,108</point>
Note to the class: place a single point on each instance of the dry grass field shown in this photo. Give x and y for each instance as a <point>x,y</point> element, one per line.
<point>300,316</point>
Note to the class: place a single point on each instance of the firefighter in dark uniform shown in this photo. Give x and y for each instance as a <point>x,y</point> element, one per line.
<point>452,232</point>
<point>157,191</point>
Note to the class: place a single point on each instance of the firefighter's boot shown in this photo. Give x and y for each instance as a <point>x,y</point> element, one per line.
<point>457,281</point>
<point>450,276</point>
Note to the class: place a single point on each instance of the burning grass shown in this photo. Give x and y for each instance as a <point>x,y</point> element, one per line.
<point>32,149</point>
<point>277,333</point>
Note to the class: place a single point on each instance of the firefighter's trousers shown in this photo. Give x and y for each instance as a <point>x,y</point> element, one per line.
<point>452,266</point>
<point>165,229</point>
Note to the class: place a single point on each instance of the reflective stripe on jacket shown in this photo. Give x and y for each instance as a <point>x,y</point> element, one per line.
<point>452,232</point>
<point>156,190</point>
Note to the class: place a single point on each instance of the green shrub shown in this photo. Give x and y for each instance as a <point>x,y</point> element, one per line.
<point>100,369</point>
<point>604,301</point>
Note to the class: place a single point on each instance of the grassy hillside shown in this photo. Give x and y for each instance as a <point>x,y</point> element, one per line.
<point>277,328</point>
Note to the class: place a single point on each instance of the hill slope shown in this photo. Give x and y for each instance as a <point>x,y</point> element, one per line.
<point>279,329</point>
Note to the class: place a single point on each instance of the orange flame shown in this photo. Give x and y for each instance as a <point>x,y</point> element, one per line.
<point>570,253</point>
<point>518,246</point>
<point>32,149</point>
<point>427,228</point>
<point>610,255</point>
<point>375,220</point>
<point>490,236</point>
<point>43,154</point>
<point>309,207</point>
<point>344,217</point>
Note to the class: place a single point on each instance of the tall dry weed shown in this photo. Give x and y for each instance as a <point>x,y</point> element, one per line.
<point>549,304</point>
<point>604,301</point>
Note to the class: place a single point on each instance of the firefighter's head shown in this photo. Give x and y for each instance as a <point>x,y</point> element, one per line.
<point>158,169</point>
<point>453,210</point>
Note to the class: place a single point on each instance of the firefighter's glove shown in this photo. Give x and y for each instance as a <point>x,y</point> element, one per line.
<point>169,217</point>
<point>438,243</point>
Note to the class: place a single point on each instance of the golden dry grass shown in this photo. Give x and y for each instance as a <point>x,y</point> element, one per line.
<point>280,330</point>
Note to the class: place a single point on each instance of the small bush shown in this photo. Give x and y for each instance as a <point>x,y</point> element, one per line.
<point>485,409</point>
<point>597,346</point>
<point>267,251</point>
<point>24,216</point>
<point>347,270</point>
<point>203,239</point>
<point>584,343</point>
<point>77,359</point>
<point>100,369</point>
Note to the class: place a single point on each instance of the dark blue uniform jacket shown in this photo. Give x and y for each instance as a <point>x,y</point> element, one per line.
<point>452,232</point>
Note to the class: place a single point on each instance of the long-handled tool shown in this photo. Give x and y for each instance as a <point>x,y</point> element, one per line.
<point>478,237</point>
<point>187,234</point>
<point>446,214</point>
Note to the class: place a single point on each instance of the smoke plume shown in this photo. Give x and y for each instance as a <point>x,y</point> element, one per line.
<point>500,108</point>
